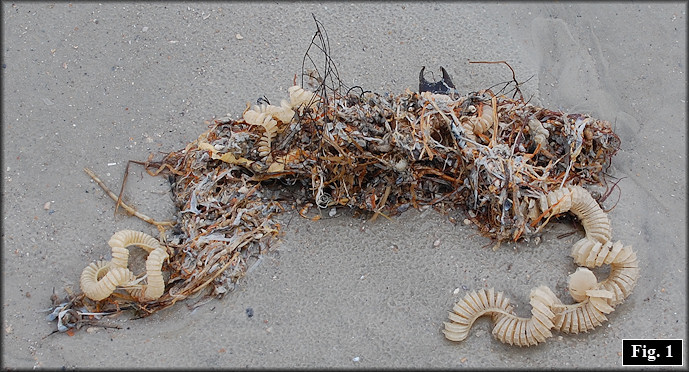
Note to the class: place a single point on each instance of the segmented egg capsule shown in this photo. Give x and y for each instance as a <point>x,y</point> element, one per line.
<point>519,331</point>
<point>624,274</point>
<point>156,255</point>
<point>100,279</point>
<point>476,124</point>
<point>592,304</point>
<point>155,286</point>
<point>538,132</point>
<point>125,238</point>
<point>473,306</point>
<point>269,124</point>
<point>579,201</point>
<point>282,113</point>
<point>508,328</point>
<point>301,98</point>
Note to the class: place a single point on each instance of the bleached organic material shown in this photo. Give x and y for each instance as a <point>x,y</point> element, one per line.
<point>99,279</point>
<point>528,331</point>
<point>125,238</point>
<point>593,299</point>
<point>473,306</point>
<point>508,328</point>
<point>156,284</point>
<point>298,96</point>
<point>268,116</point>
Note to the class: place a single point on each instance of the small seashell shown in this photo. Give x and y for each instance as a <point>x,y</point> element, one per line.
<point>401,165</point>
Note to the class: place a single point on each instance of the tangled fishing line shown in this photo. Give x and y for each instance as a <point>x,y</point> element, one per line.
<point>510,165</point>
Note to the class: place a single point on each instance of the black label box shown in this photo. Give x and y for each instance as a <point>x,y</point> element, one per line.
<point>652,352</point>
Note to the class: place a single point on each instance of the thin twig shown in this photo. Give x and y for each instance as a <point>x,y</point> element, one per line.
<point>125,206</point>
<point>514,76</point>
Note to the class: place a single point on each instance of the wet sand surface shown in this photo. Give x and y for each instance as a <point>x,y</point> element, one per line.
<point>94,85</point>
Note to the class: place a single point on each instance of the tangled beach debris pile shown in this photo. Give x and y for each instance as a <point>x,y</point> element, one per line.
<point>509,164</point>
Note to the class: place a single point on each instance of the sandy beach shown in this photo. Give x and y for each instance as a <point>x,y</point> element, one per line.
<point>95,85</point>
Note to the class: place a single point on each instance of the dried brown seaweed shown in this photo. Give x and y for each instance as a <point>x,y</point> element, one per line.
<point>492,156</point>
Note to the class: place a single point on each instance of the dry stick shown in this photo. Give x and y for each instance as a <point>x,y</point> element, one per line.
<point>124,181</point>
<point>382,204</point>
<point>125,206</point>
<point>514,76</point>
<point>494,103</point>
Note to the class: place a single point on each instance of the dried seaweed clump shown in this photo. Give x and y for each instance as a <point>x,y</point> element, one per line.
<point>494,157</point>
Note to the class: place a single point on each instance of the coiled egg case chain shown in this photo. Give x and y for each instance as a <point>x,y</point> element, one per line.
<point>473,306</point>
<point>125,238</point>
<point>268,116</point>
<point>529,331</point>
<point>508,328</point>
<point>593,299</point>
<point>155,286</point>
<point>579,201</point>
<point>269,124</point>
<point>100,279</point>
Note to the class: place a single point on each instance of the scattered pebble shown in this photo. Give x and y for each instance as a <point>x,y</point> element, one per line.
<point>239,37</point>
<point>46,206</point>
<point>436,243</point>
<point>455,291</point>
<point>463,359</point>
<point>332,212</point>
<point>356,359</point>
<point>144,29</point>
<point>467,221</point>
<point>249,312</point>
